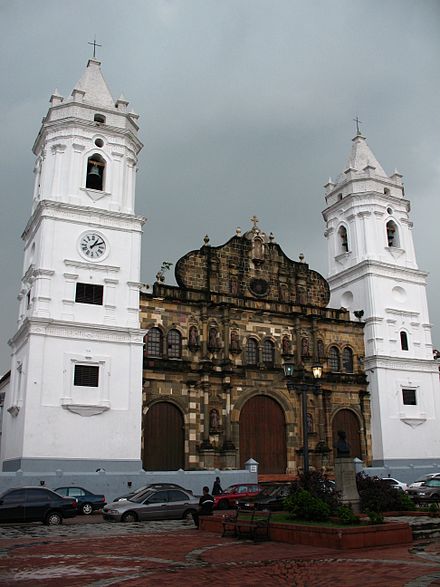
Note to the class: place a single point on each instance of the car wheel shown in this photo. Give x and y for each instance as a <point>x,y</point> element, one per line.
<point>129,517</point>
<point>223,504</point>
<point>53,519</point>
<point>187,514</point>
<point>87,509</point>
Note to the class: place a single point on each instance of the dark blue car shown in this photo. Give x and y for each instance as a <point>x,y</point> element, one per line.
<point>35,504</point>
<point>88,502</point>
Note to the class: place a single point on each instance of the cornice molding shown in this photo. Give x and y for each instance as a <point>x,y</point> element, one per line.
<point>78,330</point>
<point>83,214</point>
<point>378,269</point>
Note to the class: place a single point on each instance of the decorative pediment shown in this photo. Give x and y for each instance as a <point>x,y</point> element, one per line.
<point>251,266</point>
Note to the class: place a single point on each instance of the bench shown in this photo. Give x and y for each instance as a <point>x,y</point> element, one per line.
<point>247,524</point>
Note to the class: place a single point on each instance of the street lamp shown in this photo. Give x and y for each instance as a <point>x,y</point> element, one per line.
<point>296,381</point>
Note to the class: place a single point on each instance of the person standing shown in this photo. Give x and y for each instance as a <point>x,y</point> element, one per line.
<point>206,505</point>
<point>217,488</point>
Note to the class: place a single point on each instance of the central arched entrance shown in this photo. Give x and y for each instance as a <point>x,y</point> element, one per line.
<point>164,436</point>
<point>263,434</point>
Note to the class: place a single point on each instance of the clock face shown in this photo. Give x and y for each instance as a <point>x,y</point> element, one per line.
<point>92,245</point>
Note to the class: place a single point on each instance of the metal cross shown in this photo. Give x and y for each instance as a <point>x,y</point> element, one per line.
<point>358,122</point>
<point>95,44</point>
<point>254,219</point>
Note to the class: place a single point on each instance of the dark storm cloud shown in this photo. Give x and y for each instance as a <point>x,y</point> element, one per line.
<point>246,107</point>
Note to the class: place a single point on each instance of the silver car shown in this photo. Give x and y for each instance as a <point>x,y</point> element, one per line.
<point>157,504</point>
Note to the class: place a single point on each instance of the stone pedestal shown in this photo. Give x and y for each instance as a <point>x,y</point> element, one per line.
<point>345,473</point>
<point>207,458</point>
<point>229,458</point>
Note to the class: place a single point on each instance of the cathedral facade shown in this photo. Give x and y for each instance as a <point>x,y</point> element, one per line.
<point>192,376</point>
<point>214,391</point>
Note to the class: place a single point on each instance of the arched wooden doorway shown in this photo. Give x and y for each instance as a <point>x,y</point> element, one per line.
<point>164,436</point>
<point>347,421</point>
<point>263,434</point>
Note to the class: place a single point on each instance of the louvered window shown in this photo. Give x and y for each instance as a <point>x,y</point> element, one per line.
<point>86,376</point>
<point>89,293</point>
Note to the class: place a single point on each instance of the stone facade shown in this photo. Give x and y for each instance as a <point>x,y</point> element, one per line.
<point>217,341</point>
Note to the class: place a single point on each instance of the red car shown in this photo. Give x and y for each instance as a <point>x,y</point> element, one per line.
<point>228,498</point>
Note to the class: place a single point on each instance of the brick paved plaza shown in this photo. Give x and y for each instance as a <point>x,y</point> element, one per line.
<point>89,552</point>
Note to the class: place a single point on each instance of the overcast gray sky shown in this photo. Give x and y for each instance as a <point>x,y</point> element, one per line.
<point>246,108</point>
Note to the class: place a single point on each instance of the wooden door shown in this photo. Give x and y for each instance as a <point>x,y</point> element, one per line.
<point>263,434</point>
<point>347,421</point>
<point>164,436</point>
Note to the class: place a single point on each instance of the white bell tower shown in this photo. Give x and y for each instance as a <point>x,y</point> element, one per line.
<point>75,395</point>
<point>373,272</point>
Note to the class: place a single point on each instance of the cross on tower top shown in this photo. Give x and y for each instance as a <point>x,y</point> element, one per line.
<point>358,122</point>
<point>255,220</point>
<point>95,44</point>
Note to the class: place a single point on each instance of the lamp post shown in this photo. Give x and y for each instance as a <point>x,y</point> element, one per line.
<point>296,381</point>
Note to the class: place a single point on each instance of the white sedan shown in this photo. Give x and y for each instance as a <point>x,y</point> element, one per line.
<point>395,483</point>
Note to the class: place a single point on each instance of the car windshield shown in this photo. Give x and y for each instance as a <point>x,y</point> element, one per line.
<point>140,489</point>
<point>268,491</point>
<point>422,479</point>
<point>432,483</point>
<point>232,489</point>
<point>140,497</point>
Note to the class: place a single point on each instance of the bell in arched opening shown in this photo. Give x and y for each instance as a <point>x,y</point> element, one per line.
<point>95,173</point>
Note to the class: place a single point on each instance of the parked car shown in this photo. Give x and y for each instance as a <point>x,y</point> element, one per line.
<point>395,483</point>
<point>228,498</point>
<point>144,488</point>
<point>154,504</point>
<point>36,504</point>
<point>88,502</point>
<point>428,491</point>
<point>418,482</point>
<point>269,498</point>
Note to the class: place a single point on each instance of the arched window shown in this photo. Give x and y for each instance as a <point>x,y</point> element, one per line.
<point>174,344</point>
<point>99,118</point>
<point>268,353</point>
<point>252,352</point>
<point>347,360</point>
<point>404,341</point>
<point>392,234</point>
<point>334,359</point>
<point>95,172</point>
<point>343,239</point>
<point>153,343</point>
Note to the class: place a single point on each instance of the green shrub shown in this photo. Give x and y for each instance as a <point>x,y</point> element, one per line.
<point>318,486</point>
<point>406,503</point>
<point>375,517</point>
<point>302,505</point>
<point>377,496</point>
<point>346,515</point>
<point>434,509</point>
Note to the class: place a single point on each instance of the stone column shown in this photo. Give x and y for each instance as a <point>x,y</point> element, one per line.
<point>226,333</point>
<point>206,448</point>
<point>228,448</point>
